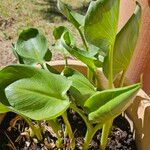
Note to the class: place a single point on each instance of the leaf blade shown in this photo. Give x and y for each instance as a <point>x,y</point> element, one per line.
<point>42,96</point>
<point>108,104</point>
<point>101,23</point>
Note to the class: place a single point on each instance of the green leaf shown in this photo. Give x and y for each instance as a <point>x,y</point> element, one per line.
<point>42,96</point>
<point>101,23</point>
<point>52,69</point>
<point>125,43</point>
<point>75,18</point>
<point>32,44</point>
<point>19,58</point>
<point>108,104</point>
<point>81,88</point>
<point>58,33</point>
<point>48,55</point>
<point>84,56</point>
<point>11,74</point>
<point>3,109</point>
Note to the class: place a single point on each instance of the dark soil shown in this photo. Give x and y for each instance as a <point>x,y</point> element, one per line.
<point>13,135</point>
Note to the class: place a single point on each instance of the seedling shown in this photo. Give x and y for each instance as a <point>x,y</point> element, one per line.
<point>43,94</point>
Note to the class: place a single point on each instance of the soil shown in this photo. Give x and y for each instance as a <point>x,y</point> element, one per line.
<point>13,135</point>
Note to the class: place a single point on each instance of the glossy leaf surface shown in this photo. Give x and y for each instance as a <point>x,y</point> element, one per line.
<point>81,88</point>
<point>33,92</point>
<point>125,43</point>
<point>32,45</point>
<point>101,23</point>
<point>108,104</point>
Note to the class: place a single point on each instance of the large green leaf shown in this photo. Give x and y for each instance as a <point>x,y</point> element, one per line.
<point>41,96</point>
<point>84,56</point>
<point>81,88</point>
<point>3,108</point>
<point>108,104</point>
<point>101,23</point>
<point>11,74</point>
<point>32,45</point>
<point>75,18</point>
<point>125,43</point>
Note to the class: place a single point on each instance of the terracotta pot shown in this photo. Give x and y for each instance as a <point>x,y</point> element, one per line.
<point>141,59</point>
<point>137,114</point>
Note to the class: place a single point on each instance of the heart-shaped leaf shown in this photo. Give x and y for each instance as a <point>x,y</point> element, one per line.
<point>101,23</point>
<point>75,18</point>
<point>81,88</point>
<point>32,45</point>
<point>41,96</point>
<point>108,104</point>
<point>125,43</point>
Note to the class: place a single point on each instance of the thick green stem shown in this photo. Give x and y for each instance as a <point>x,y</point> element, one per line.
<point>107,126</point>
<point>81,113</point>
<point>69,131</point>
<point>83,39</point>
<point>105,132</point>
<point>122,78</point>
<point>89,135</point>
<point>35,128</point>
<point>90,74</point>
<point>110,75</point>
<point>56,128</point>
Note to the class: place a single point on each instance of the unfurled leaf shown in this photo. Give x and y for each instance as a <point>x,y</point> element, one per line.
<point>81,88</point>
<point>84,56</point>
<point>75,18</point>
<point>101,23</point>
<point>40,96</point>
<point>108,104</point>
<point>125,43</point>
<point>32,45</point>
<point>3,108</point>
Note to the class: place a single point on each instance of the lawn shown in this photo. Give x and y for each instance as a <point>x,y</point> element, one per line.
<point>18,14</point>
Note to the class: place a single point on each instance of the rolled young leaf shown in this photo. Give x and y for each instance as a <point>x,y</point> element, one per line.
<point>125,43</point>
<point>81,88</point>
<point>108,104</point>
<point>101,23</point>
